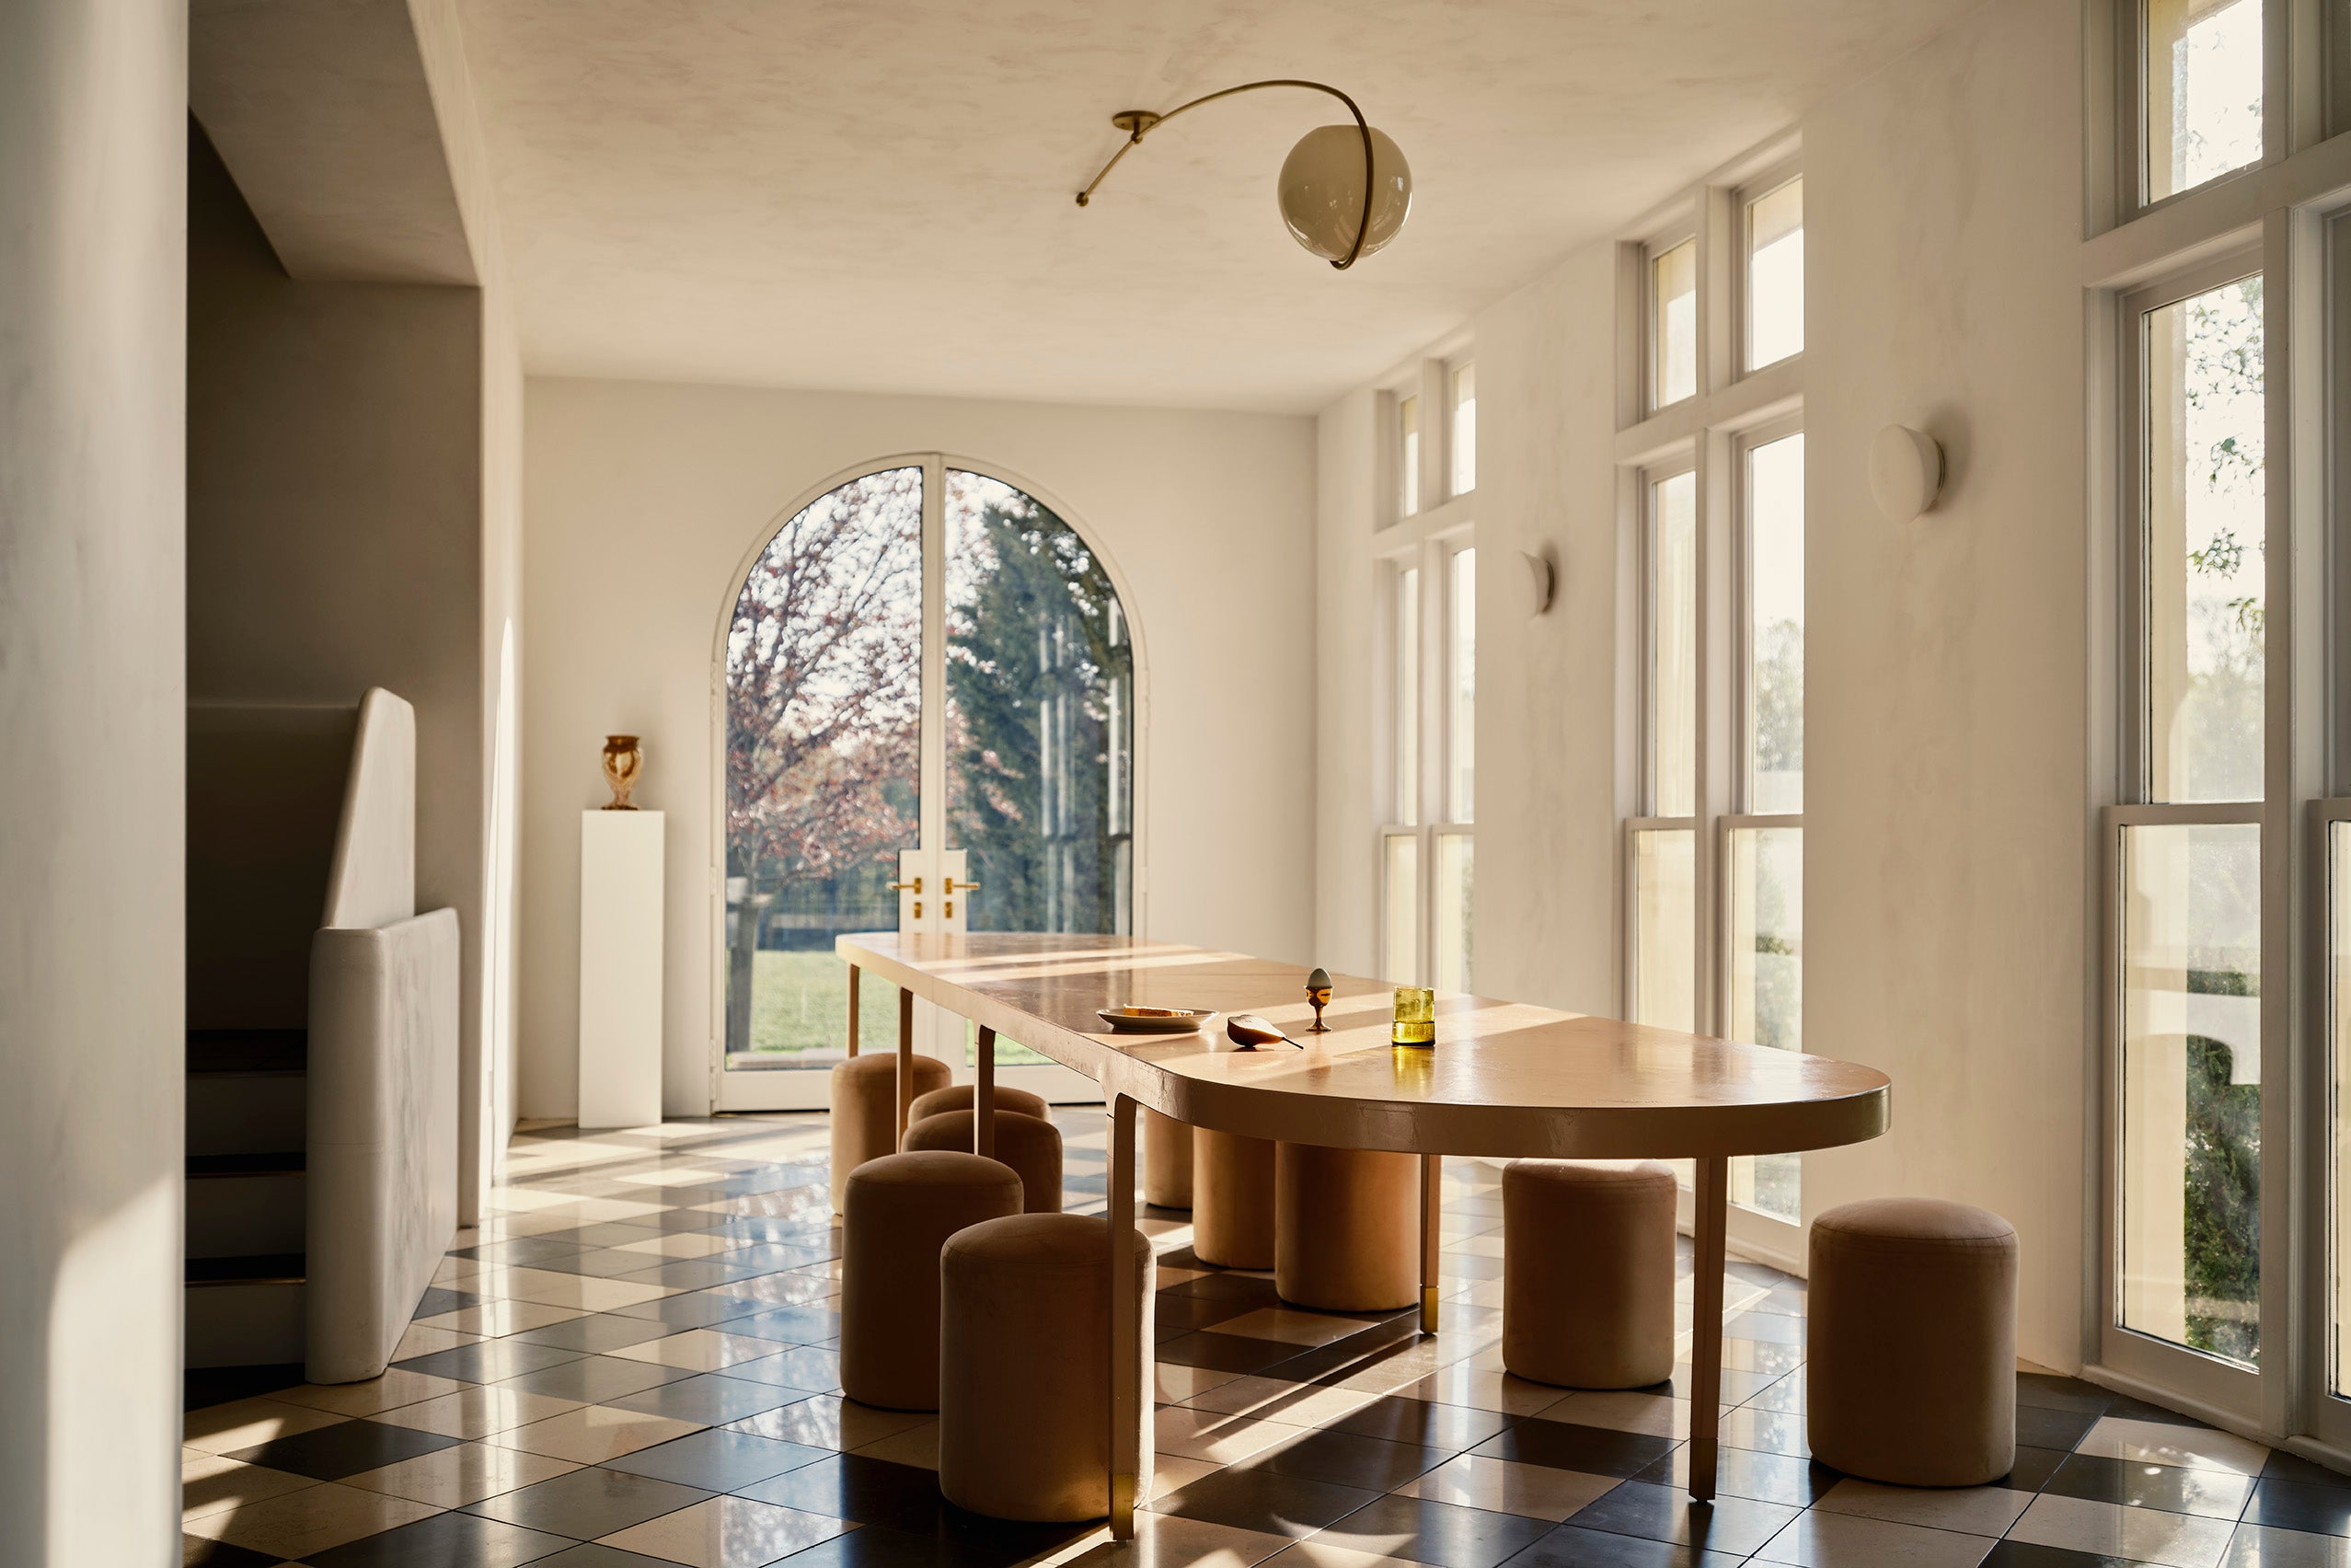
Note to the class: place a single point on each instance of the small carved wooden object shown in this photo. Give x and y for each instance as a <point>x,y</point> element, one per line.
<point>624,758</point>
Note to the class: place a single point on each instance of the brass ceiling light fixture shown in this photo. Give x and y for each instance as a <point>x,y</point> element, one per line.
<point>1343,191</point>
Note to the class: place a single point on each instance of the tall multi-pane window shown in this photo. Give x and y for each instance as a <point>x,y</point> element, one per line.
<point>1461,443</point>
<point>1714,858</point>
<point>1775,274</point>
<point>1425,856</point>
<point>2201,65</point>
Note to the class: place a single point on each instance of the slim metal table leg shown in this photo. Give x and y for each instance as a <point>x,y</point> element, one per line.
<point>983,1094</point>
<point>1127,1329</point>
<point>906,1060</point>
<point>1432,1235</point>
<point>1712,1231</point>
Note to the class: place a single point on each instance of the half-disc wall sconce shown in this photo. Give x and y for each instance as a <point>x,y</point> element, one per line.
<point>1343,192</point>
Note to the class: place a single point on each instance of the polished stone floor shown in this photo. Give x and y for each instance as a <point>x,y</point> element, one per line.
<point>631,1364</point>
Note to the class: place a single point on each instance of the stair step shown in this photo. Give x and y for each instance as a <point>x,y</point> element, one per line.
<point>248,1053</point>
<point>283,1163</point>
<point>266,1268</point>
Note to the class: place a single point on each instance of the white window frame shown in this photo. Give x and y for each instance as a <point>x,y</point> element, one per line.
<point>1743,200</point>
<point>2292,109</point>
<point>1679,227</point>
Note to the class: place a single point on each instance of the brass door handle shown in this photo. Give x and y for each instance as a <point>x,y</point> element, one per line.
<point>914,886</point>
<point>952,885</point>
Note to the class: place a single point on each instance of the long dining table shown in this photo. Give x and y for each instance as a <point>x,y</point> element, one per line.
<point>1502,1080</point>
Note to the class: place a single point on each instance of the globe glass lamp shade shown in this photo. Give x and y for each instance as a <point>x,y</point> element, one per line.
<point>1322,190</point>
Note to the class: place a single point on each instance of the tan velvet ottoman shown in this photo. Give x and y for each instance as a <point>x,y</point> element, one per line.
<point>960,1096</point>
<point>1910,1375</point>
<point>865,1109</point>
<point>1167,1161</point>
<point>1588,1272</point>
<point>900,1210</point>
<point>1232,1200</point>
<point>1346,1227</point>
<point>1030,1145</point>
<point>1024,1374</point>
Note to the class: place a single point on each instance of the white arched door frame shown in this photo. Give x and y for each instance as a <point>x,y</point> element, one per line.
<point>936,1034</point>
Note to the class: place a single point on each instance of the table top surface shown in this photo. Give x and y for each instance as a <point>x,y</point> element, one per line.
<point>1503,1077</point>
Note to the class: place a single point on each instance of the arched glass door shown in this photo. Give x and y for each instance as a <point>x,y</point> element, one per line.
<point>927,701</point>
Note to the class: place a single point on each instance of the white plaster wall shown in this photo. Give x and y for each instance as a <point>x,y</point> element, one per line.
<point>1947,729</point>
<point>642,499</point>
<point>93,159</point>
<point>1948,823</point>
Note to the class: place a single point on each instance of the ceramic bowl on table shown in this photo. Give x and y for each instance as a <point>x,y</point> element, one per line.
<point>1157,1021</point>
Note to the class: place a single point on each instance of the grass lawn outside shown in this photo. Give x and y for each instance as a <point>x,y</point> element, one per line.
<point>799,1001</point>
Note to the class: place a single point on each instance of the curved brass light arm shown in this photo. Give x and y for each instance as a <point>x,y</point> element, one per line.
<point>1140,122</point>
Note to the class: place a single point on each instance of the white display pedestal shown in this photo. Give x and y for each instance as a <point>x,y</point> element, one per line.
<point>620,968</point>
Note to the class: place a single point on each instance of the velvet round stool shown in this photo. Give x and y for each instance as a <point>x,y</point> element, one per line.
<point>1910,1375</point>
<point>865,1109</point>
<point>1232,1200</point>
<point>900,1210</point>
<point>1588,1272</point>
<point>1024,1366</point>
<point>960,1097</point>
<point>1167,1161</point>
<point>1030,1145</point>
<point>1346,1227</point>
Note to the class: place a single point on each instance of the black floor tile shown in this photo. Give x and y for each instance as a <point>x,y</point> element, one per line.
<point>202,1386</point>
<point>700,1273</point>
<point>1174,1314</point>
<point>1250,1290</point>
<point>1440,1534</point>
<point>1571,1547</point>
<point>693,1312</point>
<point>803,1368</point>
<point>436,1301</point>
<point>2027,1555</point>
<point>2049,1391</point>
<point>1564,1444</point>
<point>195,1551</point>
<point>596,1332</point>
<point>587,1554</point>
<point>488,1361</point>
<point>607,1263</point>
<point>445,1541</point>
<point>2033,1468</point>
<point>1738,1525</point>
<point>1265,1501</point>
<point>536,1252</point>
<point>851,1486</point>
<point>1340,1358</point>
<point>1402,1420</point>
<point>345,1448</point>
<point>589,1502</point>
<point>719,1461</point>
<point>2042,1428</point>
<point>598,1379</point>
<point>1225,1353</point>
<point>2322,1510</point>
<point>2283,1466</point>
<point>789,1325</point>
<point>2130,1409</point>
<point>1743,1472</point>
<point>711,1397</point>
<point>1349,1459</point>
<point>2167,1487</point>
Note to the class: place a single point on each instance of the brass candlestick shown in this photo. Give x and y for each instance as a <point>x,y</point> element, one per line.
<point>1318,992</point>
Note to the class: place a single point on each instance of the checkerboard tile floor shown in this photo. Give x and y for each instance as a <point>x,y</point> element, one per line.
<point>631,1364</point>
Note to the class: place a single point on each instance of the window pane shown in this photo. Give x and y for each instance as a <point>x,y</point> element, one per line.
<point>1776,275</point>
<point>2191,1086</point>
<point>1465,429</point>
<point>824,694</point>
<point>1408,694</point>
<point>1775,687</point>
<point>2203,532</point>
<point>1765,976</point>
<point>1408,456</point>
<point>2204,91</point>
<point>1664,933</point>
<point>2338,983</point>
<point>1673,646</point>
<point>1455,869</point>
<point>1039,677</point>
<point>1673,324</point>
<point>1461,704</point>
<point>1399,949</point>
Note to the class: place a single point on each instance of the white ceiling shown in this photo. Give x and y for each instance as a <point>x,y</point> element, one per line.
<point>877,194</point>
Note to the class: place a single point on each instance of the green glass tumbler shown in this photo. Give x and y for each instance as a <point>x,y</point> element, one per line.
<point>1415,1016</point>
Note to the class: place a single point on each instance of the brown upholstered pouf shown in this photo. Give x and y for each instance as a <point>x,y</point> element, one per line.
<point>1030,1145</point>
<point>1167,1161</point>
<point>1346,1227</point>
<point>960,1096</point>
<point>1232,1200</point>
<point>1024,1379</point>
<point>865,1109</point>
<point>900,1210</point>
<point>1588,1272</point>
<point>1910,1376</point>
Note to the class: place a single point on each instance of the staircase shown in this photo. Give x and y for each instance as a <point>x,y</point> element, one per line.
<point>246,1197</point>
